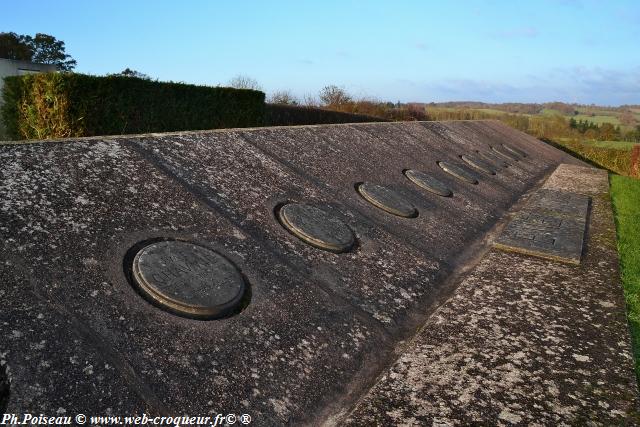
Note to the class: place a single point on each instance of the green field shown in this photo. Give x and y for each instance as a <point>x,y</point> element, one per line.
<point>550,112</point>
<point>491,111</point>
<point>616,145</point>
<point>625,195</point>
<point>552,120</point>
<point>595,115</point>
<point>484,110</point>
<point>597,119</point>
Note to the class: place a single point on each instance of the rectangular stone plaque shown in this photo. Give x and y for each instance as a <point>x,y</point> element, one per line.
<point>551,225</point>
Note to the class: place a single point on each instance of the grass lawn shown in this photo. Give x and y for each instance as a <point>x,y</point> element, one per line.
<point>625,194</point>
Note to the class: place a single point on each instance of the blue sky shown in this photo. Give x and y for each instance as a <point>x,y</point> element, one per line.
<point>493,51</point>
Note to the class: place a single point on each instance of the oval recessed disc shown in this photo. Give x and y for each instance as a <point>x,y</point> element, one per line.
<point>316,227</point>
<point>428,182</point>
<point>478,164</point>
<point>494,159</point>
<point>188,279</point>
<point>515,150</point>
<point>506,154</point>
<point>458,172</point>
<point>387,200</point>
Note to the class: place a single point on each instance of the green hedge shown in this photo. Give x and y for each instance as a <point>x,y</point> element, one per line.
<point>292,115</point>
<point>59,105</point>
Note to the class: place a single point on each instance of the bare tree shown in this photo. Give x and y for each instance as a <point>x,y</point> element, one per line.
<point>309,100</point>
<point>627,118</point>
<point>244,82</point>
<point>283,97</point>
<point>333,95</point>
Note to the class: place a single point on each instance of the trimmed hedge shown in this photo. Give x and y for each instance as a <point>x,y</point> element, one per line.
<point>60,105</point>
<point>614,160</point>
<point>292,115</point>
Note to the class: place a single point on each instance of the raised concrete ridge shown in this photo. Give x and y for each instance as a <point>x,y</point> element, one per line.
<point>316,328</point>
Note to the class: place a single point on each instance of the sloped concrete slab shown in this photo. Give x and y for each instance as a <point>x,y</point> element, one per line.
<point>317,325</point>
<point>247,186</point>
<point>523,341</point>
<point>77,336</point>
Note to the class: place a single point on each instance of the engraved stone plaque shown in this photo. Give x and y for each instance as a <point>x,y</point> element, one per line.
<point>459,172</point>
<point>503,152</point>
<point>387,200</point>
<point>479,164</point>
<point>515,150</point>
<point>188,279</point>
<point>428,182</point>
<point>551,225</point>
<point>316,227</point>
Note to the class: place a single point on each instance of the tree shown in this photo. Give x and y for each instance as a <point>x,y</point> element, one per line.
<point>244,82</point>
<point>128,72</point>
<point>48,50</point>
<point>310,100</point>
<point>283,97</point>
<point>608,132</point>
<point>42,49</point>
<point>333,95</point>
<point>14,46</point>
<point>627,118</point>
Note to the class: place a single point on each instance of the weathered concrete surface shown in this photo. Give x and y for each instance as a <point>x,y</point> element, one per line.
<point>523,341</point>
<point>77,336</point>
<point>319,326</point>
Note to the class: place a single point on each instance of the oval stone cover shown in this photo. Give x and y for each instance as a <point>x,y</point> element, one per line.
<point>188,279</point>
<point>493,158</point>
<point>515,150</point>
<point>316,227</point>
<point>387,200</point>
<point>505,153</point>
<point>459,172</point>
<point>428,182</point>
<point>479,164</point>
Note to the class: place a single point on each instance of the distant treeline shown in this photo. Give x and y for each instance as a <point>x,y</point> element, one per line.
<point>555,122</point>
<point>384,110</point>
<point>544,120</point>
<point>296,115</point>
<point>512,107</point>
<point>525,117</point>
<point>335,98</point>
<point>541,126</point>
<point>532,108</point>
